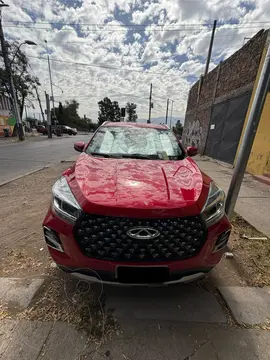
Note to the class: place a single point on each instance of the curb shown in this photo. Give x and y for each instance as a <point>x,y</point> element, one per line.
<point>69,160</point>
<point>22,175</point>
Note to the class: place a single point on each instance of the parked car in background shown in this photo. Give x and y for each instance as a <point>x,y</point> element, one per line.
<point>42,129</point>
<point>68,130</point>
<point>136,209</point>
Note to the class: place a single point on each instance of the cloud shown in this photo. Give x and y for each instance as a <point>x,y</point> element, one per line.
<point>94,54</point>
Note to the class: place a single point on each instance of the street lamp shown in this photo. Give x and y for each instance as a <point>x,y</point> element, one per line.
<point>26,42</point>
<point>3,5</point>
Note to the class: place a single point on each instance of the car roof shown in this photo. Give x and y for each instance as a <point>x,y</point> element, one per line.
<point>134,124</point>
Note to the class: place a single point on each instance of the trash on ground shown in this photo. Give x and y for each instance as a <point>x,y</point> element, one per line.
<point>228,255</point>
<point>255,237</point>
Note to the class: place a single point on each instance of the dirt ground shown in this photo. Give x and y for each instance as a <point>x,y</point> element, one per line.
<point>24,204</point>
<point>251,251</point>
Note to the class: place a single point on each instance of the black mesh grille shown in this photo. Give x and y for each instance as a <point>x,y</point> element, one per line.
<point>104,237</point>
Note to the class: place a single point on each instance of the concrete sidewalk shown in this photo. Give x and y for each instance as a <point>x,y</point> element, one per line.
<point>140,340</point>
<point>181,322</point>
<point>253,203</point>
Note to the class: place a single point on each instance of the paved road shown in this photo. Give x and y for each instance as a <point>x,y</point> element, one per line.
<point>20,158</point>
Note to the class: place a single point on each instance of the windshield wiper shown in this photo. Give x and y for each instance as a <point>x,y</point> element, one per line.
<point>140,156</point>
<point>105,155</point>
<point>130,156</point>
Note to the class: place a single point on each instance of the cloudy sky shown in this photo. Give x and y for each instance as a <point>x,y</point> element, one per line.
<point>116,48</point>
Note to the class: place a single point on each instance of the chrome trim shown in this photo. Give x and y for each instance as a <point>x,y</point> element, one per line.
<point>138,231</point>
<point>217,248</point>
<point>56,246</point>
<point>184,279</point>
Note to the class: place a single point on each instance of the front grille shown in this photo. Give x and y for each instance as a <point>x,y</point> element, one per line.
<point>104,237</point>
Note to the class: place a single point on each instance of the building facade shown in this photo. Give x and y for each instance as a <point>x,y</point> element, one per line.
<point>218,105</point>
<point>7,120</point>
<point>259,159</point>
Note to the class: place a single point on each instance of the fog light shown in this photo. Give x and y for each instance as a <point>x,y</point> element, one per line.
<point>222,241</point>
<point>52,239</point>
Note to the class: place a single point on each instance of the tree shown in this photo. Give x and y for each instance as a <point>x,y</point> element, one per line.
<point>178,128</point>
<point>131,112</point>
<point>108,111</point>
<point>67,114</point>
<point>24,82</point>
<point>116,110</point>
<point>60,109</point>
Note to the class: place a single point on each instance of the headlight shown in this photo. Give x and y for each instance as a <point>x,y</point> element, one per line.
<point>214,208</point>
<point>64,203</point>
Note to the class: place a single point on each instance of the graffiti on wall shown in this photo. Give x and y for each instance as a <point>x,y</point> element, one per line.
<point>193,134</point>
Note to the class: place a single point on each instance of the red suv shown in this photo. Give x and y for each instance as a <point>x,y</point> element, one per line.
<point>136,209</point>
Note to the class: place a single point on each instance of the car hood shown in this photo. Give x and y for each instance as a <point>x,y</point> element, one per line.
<point>137,184</point>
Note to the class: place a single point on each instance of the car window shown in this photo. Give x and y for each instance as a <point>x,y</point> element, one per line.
<point>135,142</point>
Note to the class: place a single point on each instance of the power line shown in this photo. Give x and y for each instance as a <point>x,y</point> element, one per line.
<point>99,66</point>
<point>52,22</point>
<point>122,30</point>
<point>99,42</point>
<point>35,76</point>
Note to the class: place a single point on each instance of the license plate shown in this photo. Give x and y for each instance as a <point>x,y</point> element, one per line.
<point>142,274</point>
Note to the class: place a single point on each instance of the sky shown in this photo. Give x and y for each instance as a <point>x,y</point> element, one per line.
<point>117,48</point>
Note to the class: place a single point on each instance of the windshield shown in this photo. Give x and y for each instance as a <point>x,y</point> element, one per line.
<point>135,142</point>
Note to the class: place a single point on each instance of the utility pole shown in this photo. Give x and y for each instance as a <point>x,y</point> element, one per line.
<point>150,104</point>
<point>171,113</point>
<point>210,48</point>
<point>49,122</point>
<point>167,110</point>
<point>50,74</point>
<point>10,79</point>
<point>42,113</point>
<point>249,135</point>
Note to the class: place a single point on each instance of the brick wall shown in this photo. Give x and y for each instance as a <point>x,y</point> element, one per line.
<point>230,78</point>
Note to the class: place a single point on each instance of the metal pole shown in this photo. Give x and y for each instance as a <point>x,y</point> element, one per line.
<point>171,114</point>
<point>11,84</point>
<point>49,122</point>
<point>50,74</point>
<point>167,110</point>
<point>249,135</point>
<point>150,104</point>
<point>49,65</point>
<point>42,113</point>
<point>210,48</point>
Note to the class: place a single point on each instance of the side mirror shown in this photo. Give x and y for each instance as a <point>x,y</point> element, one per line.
<point>192,151</point>
<point>79,146</point>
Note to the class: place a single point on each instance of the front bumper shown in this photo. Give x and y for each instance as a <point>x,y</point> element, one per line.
<point>96,279</point>
<point>71,259</point>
